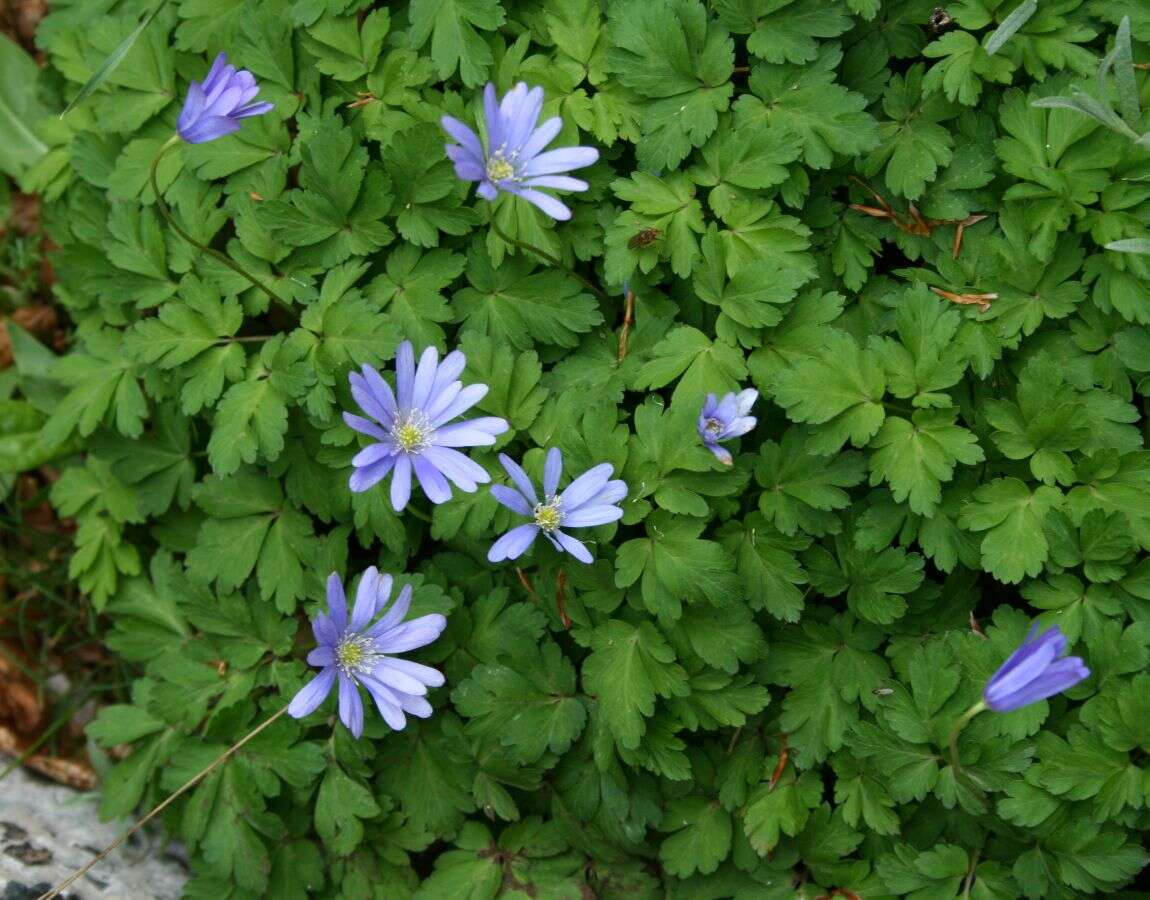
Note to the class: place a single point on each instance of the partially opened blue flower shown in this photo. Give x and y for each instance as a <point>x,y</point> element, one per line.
<point>360,651</point>
<point>722,420</point>
<point>1038,669</point>
<point>512,158</point>
<point>214,108</point>
<point>412,430</point>
<point>588,501</point>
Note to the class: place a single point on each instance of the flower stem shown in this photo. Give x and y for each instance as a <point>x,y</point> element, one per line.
<point>419,514</point>
<point>551,258</point>
<point>628,319</point>
<point>191,782</point>
<point>162,206</point>
<point>958,726</point>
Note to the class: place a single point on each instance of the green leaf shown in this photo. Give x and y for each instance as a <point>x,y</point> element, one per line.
<point>702,366</point>
<point>339,209</point>
<point>347,48</point>
<point>113,60</point>
<point>782,809</point>
<point>103,391</point>
<point>251,529</point>
<point>800,489</point>
<point>672,53</point>
<point>785,31</point>
<point>722,637</point>
<point>664,219</point>
<point>701,838</point>
<point>192,334</point>
<point>251,418</point>
<point>964,67</point>
<point>1011,514</point>
<point>411,292</point>
<point>874,582</point>
<point>839,389</point>
<point>738,163</point>
<point>676,566</point>
<point>512,379</point>
<point>914,146</point>
<point>628,667</point>
<point>455,43</point>
<point>22,446</point>
<point>767,565</point>
<point>19,110</point>
<point>1010,26</point>
<point>512,303</point>
<point>915,457</point>
<point>529,706</point>
<point>821,116</point>
<point>934,873</point>
<point>340,806</point>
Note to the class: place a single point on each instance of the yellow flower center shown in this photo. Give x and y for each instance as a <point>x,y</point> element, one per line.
<point>498,168</point>
<point>356,655</point>
<point>549,515</point>
<point>411,432</point>
<point>713,427</point>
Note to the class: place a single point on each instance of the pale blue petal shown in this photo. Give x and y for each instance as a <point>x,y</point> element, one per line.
<point>513,544</point>
<point>511,498</point>
<point>350,706</point>
<point>552,471</point>
<point>434,485</point>
<point>401,483</point>
<point>526,488</point>
<point>312,694</point>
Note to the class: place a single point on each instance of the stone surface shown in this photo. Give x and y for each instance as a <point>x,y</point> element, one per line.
<point>48,831</point>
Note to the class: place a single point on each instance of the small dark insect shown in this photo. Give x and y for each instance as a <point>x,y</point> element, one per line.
<point>644,238</point>
<point>940,20</point>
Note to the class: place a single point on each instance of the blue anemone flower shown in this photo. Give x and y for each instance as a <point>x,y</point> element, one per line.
<point>588,501</point>
<point>412,430</point>
<point>722,420</point>
<point>1038,669</point>
<point>360,651</point>
<point>214,108</point>
<point>512,159</point>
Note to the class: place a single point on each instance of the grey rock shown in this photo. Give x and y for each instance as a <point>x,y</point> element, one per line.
<point>47,831</point>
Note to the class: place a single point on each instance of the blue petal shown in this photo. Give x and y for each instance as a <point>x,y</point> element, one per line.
<point>1026,663</point>
<point>464,473</point>
<point>555,162</point>
<point>513,544</point>
<point>586,486</point>
<point>312,694</point>
<point>336,603</point>
<point>401,483</point>
<point>556,209</point>
<point>431,480</point>
<point>526,488</point>
<point>511,498</point>
<point>552,471</point>
<point>424,378</point>
<point>463,401</point>
<point>574,547</point>
<point>1056,678</point>
<point>365,599</point>
<point>369,476</point>
<point>590,516</point>
<point>412,635</point>
<point>208,128</point>
<point>404,374</point>
<point>350,706</point>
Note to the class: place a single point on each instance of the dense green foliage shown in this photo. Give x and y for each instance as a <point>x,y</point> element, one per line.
<point>748,693</point>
